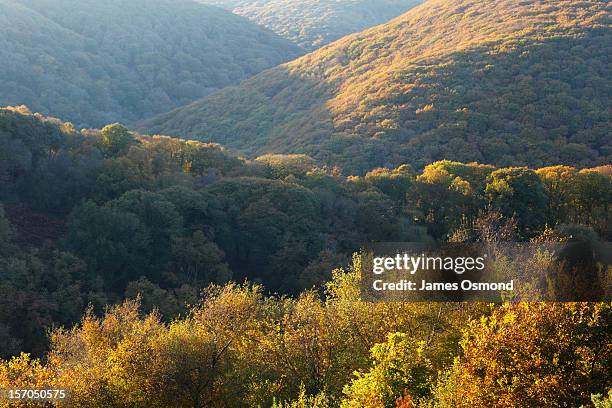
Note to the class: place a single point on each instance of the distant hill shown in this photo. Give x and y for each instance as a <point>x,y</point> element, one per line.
<point>314,23</point>
<point>94,62</point>
<point>504,82</point>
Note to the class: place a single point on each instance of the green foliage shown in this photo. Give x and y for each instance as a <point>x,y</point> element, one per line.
<point>38,290</point>
<point>161,219</point>
<point>117,176</point>
<point>454,191</point>
<point>26,140</point>
<point>517,192</point>
<point>504,82</point>
<point>97,216</point>
<point>191,156</point>
<point>395,184</point>
<point>199,259</point>
<point>267,225</point>
<point>95,62</point>
<point>400,367</point>
<point>114,243</point>
<point>61,181</point>
<point>116,139</point>
<point>374,214</point>
<point>168,302</point>
<point>159,216</point>
<point>595,198</point>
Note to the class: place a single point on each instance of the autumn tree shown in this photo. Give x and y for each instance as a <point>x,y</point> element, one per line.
<point>532,355</point>
<point>518,192</point>
<point>116,139</point>
<point>448,193</point>
<point>400,367</point>
<point>395,184</point>
<point>561,185</point>
<point>280,166</point>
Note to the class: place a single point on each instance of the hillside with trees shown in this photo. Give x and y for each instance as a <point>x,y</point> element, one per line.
<point>144,270</point>
<point>315,23</point>
<point>89,218</point>
<point>95,62</point>
<point>502,82</point>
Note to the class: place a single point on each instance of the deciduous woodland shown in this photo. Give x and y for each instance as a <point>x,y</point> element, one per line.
<point>182,220</point>
<point>93,217</point>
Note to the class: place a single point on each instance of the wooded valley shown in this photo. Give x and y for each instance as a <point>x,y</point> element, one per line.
<point>94,217</point>
<point>186,194</point>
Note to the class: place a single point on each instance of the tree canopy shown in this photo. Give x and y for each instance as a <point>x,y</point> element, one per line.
<point>112,214</point>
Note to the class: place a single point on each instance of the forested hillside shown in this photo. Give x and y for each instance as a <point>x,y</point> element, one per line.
<point>94,62</point>
<point>314,23</point>
<point>503,82</point>
<point>144,270</point>
<point>92,217</point>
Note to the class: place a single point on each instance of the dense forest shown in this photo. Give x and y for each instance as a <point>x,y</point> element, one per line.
<point>96,62</point>
<point>315,23</point>
<point>221,266</point>
<point>502,82</point>
<point>93,217</point>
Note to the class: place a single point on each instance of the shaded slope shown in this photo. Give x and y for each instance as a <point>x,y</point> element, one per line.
<point>95,62</point>
<point>314,23</point>
<point>503,82</point>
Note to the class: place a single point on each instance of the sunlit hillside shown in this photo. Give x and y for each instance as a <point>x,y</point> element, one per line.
<point>95,62</point>
<point>502,82</point>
